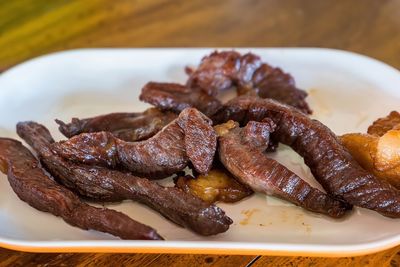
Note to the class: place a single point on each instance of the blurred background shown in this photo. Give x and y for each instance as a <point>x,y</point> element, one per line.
<point>29,28</point>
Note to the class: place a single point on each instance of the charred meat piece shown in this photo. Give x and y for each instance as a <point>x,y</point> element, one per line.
<point>33,186</point>
<point>98,183</point>
<point>176,97</point>
<point>217,185</point>
<point>241,150</point>
<point>224,70</point>
<point>331,164</point>
<point>228,69</point>
<point>189,138</point>
<point>383,125</point>
<point>270,82</point>
<point>125,126</point>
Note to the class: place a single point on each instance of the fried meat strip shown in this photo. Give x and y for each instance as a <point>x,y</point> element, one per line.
<point>241,150</point>
<point>32,185</point>
<point>125,126</point>
<point>99,183</point>
<point>331,164</point>
<point>176,97</point>
<point>223,70</point>
<point>189,138</point>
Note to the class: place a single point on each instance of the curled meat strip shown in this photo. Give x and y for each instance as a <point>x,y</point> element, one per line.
<point>331,164</point>
<point>176,97</point>
<point>99,183</point>
<point>224,70</point>
<point>125,126</point>
<point>227,69</point>
<point>189,138</point>
<point>33,186</point>
<point>241,150</point>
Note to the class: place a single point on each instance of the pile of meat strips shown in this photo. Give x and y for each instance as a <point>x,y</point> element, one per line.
<point>224,146</point>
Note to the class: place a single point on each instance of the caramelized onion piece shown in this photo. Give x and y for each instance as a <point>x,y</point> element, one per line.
<point>217,185</point>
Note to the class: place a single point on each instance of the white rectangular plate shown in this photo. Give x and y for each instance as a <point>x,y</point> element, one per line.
<point>346,91</point>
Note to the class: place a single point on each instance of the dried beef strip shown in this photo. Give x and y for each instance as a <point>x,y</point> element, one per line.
<point>331,164</point>
<point>32,185</point>
<point>99,183</point>
<point>125,126</point>
<point>188,139</point>
<point>175,97</point>
<point>242,151</point>
<point>229,69</point>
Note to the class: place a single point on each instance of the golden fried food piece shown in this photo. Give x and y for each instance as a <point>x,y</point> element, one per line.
<point>222,129</point>
<point>387,154</point>
<point>217,185</point>
<point>364,149</point>
<point>382,125</point>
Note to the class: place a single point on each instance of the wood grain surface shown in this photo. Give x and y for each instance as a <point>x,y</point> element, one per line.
<point>29,28</point>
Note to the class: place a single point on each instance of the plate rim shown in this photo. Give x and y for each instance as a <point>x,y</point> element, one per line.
<point>181,247</point>
<point>340,52</point>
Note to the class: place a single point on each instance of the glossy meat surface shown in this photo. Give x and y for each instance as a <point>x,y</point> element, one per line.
<point>227,69</point>
<point>331,164</point>
<point>176,97</point>
<point>189,138</point>
<point>98,183</point>
<point>33,186</point>
<point>241,150</point>
<point>223,70</point>
<point>125,126</point>
<point>270,82</point>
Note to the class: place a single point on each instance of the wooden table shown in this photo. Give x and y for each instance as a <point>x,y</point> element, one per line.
<point>31,28</point>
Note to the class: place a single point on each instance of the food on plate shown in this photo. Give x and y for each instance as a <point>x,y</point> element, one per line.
<point>176,97</point>
<point>189,138</point>
<point>35,187</point>
<point>228,69</point>
<point>224,70</point>
<point>386,131</point>
<point>241,151</point>
<point>379,150</point>
<point>125,126</point>
<point>383,125</point>
<point>363,148</point>
<point>99,183</point>
<point>217,185</point>
<point>116,156</point>
<point>387,154</point>
<point>329,161</point>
